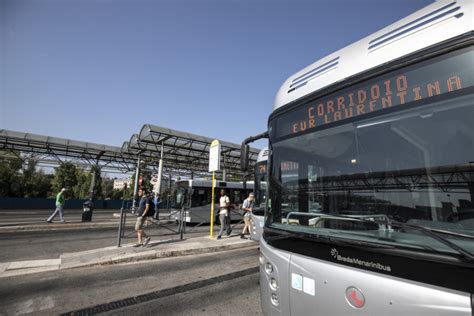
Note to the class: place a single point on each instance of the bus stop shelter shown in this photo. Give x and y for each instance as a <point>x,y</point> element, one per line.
<point>167,151</point>
<point>184,153</point>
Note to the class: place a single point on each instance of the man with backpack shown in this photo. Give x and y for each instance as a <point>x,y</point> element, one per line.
<point>143,211</point>
<point>224,214</point>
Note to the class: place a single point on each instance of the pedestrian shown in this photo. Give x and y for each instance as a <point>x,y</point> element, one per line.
<point>224,215</point>
<point>156,200</point>
<point>143,208</point>
<point>247,208</point>
<point>60,200</point>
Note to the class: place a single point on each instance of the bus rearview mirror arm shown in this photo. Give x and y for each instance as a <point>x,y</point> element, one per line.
<point>245,149</point>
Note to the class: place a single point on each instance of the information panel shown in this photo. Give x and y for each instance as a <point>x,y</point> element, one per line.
<point>215,156</point>
<point>400,88</point>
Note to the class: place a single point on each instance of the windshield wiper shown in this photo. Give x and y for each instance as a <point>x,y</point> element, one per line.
<point>435,234</point>
<point>449,233</point>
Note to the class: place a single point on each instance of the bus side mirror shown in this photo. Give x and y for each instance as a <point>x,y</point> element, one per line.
<point>244,156</point>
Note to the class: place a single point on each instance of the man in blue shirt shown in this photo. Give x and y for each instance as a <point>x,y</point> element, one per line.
<point>143,209</point>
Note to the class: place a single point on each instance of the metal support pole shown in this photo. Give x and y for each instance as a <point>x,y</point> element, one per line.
<point>169,191</point>
<point>211,219</point>
<point>122,223</point>
<point>119,238</point>
<point>182,223</point>
<point>160,170</point>
<point>224,176</point>
<point>92,186</point>
<point>135,188</point>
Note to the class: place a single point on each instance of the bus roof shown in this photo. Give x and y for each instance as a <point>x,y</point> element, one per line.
<point>263,155</point>
<point>435,23</point>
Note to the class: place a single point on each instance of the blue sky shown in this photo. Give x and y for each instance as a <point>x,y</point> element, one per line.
<point>97,70</point>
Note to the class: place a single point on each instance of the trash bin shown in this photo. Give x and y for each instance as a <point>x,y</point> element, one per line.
<point>88,207</point>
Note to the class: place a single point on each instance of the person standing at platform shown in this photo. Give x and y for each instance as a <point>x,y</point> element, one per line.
<point>60,201</point>
<point>224,214</point>
<point>156,201</point>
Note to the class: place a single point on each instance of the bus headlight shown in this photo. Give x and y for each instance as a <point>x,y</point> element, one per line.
<point>274,299</point>
<point>268,268</point>
<point>274,284</point>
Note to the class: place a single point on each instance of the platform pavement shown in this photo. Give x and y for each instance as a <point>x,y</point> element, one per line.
<point>156,249</point>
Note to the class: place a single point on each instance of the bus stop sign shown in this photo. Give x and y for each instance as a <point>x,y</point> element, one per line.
<point>215,156</point>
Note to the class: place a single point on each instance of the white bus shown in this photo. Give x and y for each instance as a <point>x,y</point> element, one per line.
<point>195,197</point>
<point>371,175</point>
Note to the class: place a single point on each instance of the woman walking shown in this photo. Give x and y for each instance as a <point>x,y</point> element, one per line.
<point>247,208</point>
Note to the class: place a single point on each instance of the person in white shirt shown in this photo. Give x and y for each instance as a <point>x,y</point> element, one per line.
<point>224,215</point>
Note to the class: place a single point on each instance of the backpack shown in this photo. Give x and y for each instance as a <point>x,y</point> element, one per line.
<point>151,209</point>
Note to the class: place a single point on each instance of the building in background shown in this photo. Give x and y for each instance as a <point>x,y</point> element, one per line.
<point>118,183</point>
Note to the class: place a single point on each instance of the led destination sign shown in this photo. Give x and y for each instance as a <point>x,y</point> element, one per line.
<point>422,81</point>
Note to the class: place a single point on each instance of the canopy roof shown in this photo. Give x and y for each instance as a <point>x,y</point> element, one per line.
<point>61,149</point>
<point>183,153</point>
<point>184,150</point>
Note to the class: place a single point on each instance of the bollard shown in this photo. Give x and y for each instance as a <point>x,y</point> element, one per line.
<point>120,231</point>
<point>181,223</point>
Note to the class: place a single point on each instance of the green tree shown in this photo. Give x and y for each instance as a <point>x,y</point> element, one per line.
<point>95,169</point>
<point>65,176</point>
<point>107,188</point>
<point>118,194</point>
<point>81,189</point>
<point>42,184</point>
<point>34,183</point>
<point>146,182</point>
<point>10,166</point>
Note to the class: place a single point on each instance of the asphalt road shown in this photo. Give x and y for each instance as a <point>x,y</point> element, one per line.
<point>51,244</point>
<point>240,296</point>
<point>32,217</point>
<point>224,283</point>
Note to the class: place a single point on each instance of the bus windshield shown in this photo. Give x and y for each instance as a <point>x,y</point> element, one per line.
<point>411,162</point>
